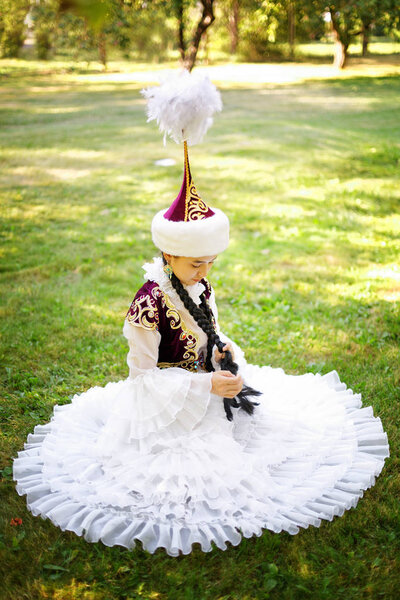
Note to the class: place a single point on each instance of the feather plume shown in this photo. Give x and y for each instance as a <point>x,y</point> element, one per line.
<point>183,105</point>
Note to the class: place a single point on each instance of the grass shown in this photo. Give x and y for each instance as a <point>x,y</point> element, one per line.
<point>308,173</point>
<point>377,46</point>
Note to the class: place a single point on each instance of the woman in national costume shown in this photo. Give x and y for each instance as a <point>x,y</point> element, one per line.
<point>196,445</point>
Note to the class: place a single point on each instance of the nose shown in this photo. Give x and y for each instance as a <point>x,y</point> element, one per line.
<point>203,270</point>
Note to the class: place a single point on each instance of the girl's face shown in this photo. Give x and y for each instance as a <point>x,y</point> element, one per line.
<point>190,270</point>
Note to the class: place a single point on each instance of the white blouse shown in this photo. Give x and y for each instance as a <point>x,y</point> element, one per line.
<point>172,395</point>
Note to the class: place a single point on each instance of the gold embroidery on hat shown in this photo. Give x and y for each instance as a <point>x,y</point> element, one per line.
<point>195,207</point>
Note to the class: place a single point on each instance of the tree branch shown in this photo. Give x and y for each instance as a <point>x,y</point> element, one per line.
<point>207,18</point>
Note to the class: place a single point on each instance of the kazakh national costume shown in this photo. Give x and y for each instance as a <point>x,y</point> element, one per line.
<point>154,457</point>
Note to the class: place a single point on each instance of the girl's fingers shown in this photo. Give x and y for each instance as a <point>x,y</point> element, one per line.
<point>236,387</point>
<point>228,374</point>
<point>228,347</point>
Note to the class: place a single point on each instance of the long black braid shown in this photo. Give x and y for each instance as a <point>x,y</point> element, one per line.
<point>204,318</point>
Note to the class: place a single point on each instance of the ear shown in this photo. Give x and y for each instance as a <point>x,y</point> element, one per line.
<point>167,257</point>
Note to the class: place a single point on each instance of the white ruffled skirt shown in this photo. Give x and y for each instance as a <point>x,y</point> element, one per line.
<point>306,454</point>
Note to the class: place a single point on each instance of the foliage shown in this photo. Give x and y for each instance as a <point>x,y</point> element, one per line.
<point>44,17</point>
<point>263,25</point>
<point>132,27</point>
<point>388,20</point>
<point>95,12</point>
<point>151,29</point>
<point>118,26</point>
<point>262,28</point>
<point>350,19</point>
<point>72,33</point>
<point>12,26</point>
<point>158,29</point>
<point>258,29</point>
<point>192,23</point>
<point>309,25</point>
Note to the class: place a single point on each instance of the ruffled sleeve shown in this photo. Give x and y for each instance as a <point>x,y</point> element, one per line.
<point>160,398</point>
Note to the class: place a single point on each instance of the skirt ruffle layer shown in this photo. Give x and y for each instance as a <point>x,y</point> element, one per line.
<point>306,454</point>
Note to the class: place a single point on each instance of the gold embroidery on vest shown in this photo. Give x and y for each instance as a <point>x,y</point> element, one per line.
<point>189,365</point>
<point>144,308</point>
<point>189,337</point>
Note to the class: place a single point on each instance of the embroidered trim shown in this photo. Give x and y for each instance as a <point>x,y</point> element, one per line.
<point>144,313</point>
<point>195,207</point>
<point>176,322</point>
<point>183,364</point>
<point>169,297</point>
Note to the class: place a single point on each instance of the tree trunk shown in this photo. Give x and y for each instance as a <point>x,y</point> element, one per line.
<point>181,29</point>
<point>102,46</point>
<point>291,28</point>
<point>340,56</point>
<point>205,47</point>
<point>365,38</point>
<point>207,18</point>
<point>340,53</point>
<point>233,25</point>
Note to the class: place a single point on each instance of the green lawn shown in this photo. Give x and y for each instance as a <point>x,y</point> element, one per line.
<point>309,176</point>
<point>377,46</point>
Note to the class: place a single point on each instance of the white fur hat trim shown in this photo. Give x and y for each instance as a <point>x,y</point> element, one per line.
<point>203,237</point>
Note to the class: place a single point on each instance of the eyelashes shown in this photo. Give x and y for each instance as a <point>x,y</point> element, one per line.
<point>198,266</point>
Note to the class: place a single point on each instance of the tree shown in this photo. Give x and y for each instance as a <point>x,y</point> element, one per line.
<point>370,12</point>
<point>188,50</point>
<point>345,27</point>
<point>44,16</point>
<point>233,24</point>
<point>227,24</point>
<point>96,14</point>
<point>344,20</point>
<point>350,18</point>
<point>12,26</point>
<point>259,27</point>
<point>390,21</point>
<point>291,17</point>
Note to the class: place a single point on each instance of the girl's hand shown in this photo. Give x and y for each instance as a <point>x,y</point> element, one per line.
<point>226,384</point>
<point>218,355</point>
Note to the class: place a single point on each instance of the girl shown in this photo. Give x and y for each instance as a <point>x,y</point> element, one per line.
<point>197,446</point>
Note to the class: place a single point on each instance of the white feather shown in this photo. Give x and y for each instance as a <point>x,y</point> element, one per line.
<point>183,105</point>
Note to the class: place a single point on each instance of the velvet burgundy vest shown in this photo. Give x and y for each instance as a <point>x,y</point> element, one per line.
<point>179,346</point>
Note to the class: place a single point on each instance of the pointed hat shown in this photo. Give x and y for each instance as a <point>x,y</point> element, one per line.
<point>183,106</point>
